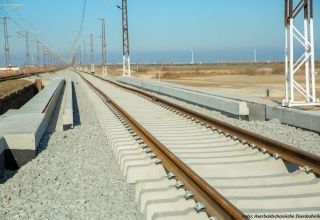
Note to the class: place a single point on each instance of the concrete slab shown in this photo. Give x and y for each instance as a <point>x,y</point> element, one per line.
<point>188,214</point>
<point>309,120</point>
<point>152,184</point>
<point>257,106</point>
<point>143,170</point>
<point>131,157</point>
<point>20,130</point>
<point>160,207</point>
<point>258,156</point>
<point>22,133</point>
<point>254,108</point>
<point>68,107</point>
<point>152,195</point>
<point>231,107</point>
<point>3,148</point>
<point>296,178</point>
<point>277,203</point>
<point>269,191</point>
<point>253,168</point>
<point>40,102</point>
<point>23,129</point>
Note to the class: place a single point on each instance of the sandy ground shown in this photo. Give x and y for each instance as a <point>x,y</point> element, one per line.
<point>257,86</point>
<point>251,79</point>
<point>8,87</point>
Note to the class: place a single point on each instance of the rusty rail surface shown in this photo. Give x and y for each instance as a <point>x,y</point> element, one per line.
<point>310,162</point>
<point>215,204</point>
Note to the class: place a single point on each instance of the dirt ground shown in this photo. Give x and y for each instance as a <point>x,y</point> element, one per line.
<point>30,70</point>
<point>252,79</point>
<point>8,87</point>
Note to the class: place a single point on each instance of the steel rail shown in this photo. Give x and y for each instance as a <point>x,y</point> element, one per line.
<point>7,78</point>
<point>215,204</point>
<point>24,75</point>
<point>308,161</point>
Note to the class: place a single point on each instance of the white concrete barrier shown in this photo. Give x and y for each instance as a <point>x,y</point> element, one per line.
<point>23,129</point>
<point>259,109</point>
<point>3,147</point>
<point>257,106</point>
<point>309,120</point>
<point>230,107</point>
<point>68,107</point>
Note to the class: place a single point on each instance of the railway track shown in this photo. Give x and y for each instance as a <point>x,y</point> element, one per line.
<point>19,76</point>
<point>233,173</point>
<point>24,75</point>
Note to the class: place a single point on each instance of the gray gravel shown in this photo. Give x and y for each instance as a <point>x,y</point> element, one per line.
<point>74,177</point>
<point>305,140</point>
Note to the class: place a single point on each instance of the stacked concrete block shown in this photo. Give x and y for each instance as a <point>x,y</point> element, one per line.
<point>23,129</point>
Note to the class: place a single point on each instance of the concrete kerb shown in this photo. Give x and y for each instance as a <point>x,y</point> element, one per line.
<point>68,107</point>
<point>230,107</point>
<point>259,109</point>
<point>257,106</point>
<point>3,147</point>
<point>23,129</point>
<point>299,118</point>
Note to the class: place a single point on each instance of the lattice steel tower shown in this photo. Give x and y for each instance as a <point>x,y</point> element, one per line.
<point>297,94</point>
<point>125,37</point>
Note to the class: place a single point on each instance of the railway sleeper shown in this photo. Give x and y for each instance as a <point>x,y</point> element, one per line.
<point>138,167</point>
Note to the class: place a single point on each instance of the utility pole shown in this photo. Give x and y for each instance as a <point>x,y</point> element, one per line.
<point>6,35</point>
<point>103,47</point>
<point>85,56</point>
<point>38,52</point>
<point>92,52</point>
<point>80,58</point>
<point>27,48</point>
<point>255,55</point>
<point>44,56</point>
<point>49,57</point>
<point>304,38</point>
<point>6,41</point>
<point>25,34</point>
<point>125,38</point>
<point>192,60</point>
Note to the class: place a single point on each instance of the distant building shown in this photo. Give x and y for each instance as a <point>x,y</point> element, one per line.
<point>9,68</point>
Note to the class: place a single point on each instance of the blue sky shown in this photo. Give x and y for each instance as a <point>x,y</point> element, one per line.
<point>160,30</point>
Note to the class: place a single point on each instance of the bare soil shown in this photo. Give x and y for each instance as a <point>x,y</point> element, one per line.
<point>252,79</point>
<point>10,86</point>
<point>29,70</point>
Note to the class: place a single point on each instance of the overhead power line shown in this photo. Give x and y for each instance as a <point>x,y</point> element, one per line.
<point>31,33</point>
<point>75,43</point>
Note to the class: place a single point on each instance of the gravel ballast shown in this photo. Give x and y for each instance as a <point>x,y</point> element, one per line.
<point>74,177</point>
<point>299,138</point>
